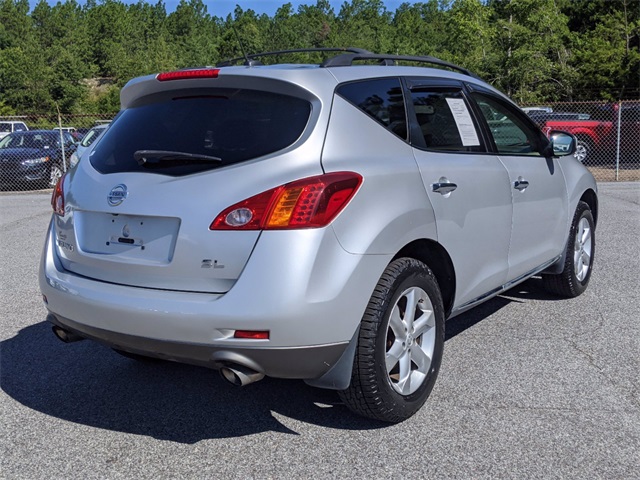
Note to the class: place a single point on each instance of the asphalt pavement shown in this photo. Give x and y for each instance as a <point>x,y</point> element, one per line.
<point>531,386</point>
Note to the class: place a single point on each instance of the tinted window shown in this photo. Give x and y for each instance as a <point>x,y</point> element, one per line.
<point>511,134</point>
<point>29,140</point>
<point>445,120</point>
<point>381,99</point>
<point>233,125</point>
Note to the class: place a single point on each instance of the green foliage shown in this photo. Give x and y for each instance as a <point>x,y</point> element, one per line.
<point>79,56</point>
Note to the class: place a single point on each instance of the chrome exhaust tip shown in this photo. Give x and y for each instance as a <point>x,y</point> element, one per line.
<point>65,335</point>
<point>239,375</point>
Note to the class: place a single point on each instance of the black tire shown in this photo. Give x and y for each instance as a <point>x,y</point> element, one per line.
<point>584,150</point>
<point>573,281</point>
<point>374,391</point>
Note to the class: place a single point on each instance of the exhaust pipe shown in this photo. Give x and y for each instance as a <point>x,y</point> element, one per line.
<point>239,375</point>
<point>65,335</point>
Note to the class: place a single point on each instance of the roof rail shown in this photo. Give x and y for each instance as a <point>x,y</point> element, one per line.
<point>248,58</point>
<point>347,59</point>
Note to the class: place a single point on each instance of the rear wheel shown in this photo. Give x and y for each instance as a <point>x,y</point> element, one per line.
<point>400,344</point>
<point>579,256</point>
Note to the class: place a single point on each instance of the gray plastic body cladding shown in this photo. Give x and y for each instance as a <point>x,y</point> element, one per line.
<point>308,362</point>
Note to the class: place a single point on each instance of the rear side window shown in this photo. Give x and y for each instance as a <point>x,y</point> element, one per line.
<point>232,125</point>
<point>381,99</point>
<point>445,120</point>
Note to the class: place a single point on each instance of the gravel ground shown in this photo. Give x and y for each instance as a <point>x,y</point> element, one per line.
<point>530,387</point>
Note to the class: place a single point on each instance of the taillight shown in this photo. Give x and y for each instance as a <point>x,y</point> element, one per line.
<point>308,203</point>
<point>57,197</point>
<point>188,74</point>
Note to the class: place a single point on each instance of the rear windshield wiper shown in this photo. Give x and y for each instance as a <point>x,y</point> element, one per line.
<point>155,157</point>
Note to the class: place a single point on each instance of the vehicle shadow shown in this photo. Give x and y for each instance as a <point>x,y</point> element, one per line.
<point>89,384</point>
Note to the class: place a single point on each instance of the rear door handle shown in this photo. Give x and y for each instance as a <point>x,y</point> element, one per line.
<point>443,186</point>
<point>520,184</point>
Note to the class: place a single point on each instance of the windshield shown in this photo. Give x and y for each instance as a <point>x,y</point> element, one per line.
<point>91,136</point>
<point>29,140</point>
<point>230,124</point>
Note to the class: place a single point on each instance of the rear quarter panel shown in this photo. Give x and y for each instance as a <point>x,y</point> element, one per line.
<point>391,209</point>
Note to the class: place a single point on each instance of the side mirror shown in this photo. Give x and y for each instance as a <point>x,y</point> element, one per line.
<point>561,144</point>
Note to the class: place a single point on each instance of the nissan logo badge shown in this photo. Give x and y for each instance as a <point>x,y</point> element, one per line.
<point>117,195</point>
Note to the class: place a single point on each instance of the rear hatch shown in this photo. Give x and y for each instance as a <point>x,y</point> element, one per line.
<point>139,210</point>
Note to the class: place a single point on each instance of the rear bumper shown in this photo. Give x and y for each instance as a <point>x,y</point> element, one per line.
<point>301,286</point>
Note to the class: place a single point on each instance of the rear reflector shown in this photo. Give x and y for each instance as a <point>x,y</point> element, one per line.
<point>188,74</point>
<point>252,334</point>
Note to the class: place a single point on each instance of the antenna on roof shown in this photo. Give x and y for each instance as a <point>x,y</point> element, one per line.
<point>247,61</point>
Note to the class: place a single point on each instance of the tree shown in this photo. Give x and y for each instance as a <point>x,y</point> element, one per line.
<point>533,42</point>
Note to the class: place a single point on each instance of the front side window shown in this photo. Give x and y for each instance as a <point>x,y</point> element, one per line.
<point>445,120</point>
<point>218,127</point>
<point>511,135</point>
<point>381,99</point>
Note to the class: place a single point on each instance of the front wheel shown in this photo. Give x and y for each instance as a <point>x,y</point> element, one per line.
<point>400,344</point>
<point>578,258</point>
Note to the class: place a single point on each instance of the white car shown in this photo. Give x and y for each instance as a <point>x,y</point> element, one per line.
<point>7,127</point>
<point>314,222</point>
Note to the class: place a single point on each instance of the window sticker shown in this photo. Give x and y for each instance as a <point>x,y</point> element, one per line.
<point>464,123</point>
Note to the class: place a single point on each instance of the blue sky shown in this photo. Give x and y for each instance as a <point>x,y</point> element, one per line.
<point>221,8</point>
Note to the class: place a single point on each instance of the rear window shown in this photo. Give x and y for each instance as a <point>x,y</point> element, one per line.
<point>232,125</point>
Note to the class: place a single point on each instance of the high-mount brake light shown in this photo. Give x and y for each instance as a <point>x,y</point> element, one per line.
<point>188,74</point>
<point>57,197</point>
<point>308,203</point>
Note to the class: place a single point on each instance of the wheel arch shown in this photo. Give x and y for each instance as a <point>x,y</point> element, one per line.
<point>438,260</point>
<point>590,198</point>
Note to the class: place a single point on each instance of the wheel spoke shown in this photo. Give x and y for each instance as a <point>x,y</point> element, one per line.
<point>585,233</point>
<point>577,259</point>
<point>393,355</point>
<point>426,321</point>
<point>410,310</point>
<point>396,324</point>
<point>404,380</point>
<point>421,358</point>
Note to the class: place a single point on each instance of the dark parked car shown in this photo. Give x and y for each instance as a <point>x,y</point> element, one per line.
<point>34,157</point>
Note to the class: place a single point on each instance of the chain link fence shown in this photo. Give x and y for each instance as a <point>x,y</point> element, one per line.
<point>608,134</point>
<point>35,150</point>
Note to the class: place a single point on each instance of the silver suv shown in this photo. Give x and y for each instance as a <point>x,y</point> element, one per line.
<point>314,222</point>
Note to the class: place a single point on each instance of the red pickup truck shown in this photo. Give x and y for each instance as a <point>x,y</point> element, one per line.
<point>597,132</point>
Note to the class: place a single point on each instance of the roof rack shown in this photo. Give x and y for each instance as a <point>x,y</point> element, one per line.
<point>347,59</point>
<point>248,59</point>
